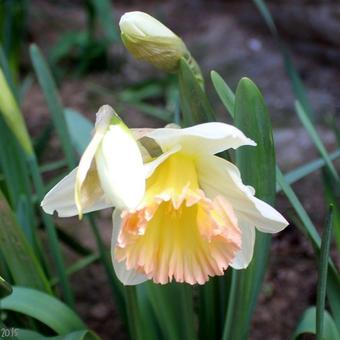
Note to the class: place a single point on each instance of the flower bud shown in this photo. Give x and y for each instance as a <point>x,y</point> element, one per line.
<point>148,39</point>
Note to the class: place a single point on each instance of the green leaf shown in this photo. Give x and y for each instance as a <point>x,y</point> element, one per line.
<point>332,192</point>
<point>54,104</point>
<point>149,320</point>
<point>25,334</point>
<point>310,229</point>
<point>73,243</point>
<point>77,266</point>
<point>13,165</point>
<point>307,325</point>
<point>41,142</point>
<point>322,278</point>
<point>65,44</point>
<point>45,308</point>
<point>22,212</point>
<point>333,280</point>
<point>212,307</point>
<point>134,319</point>
<point>80,129</point>
<point>153,111</point>
<point>51,230</point>
<point>139,92</point>
<point>12,30</point>
<point>173,308</point>
<point>103,10</point>
<point>12,115</point>
<point>52,166</point>
<point>14,150</point>
<point>7,72</point>
<point>316,139</point>
<point>306,169</point>
<point>194,103</point>
<point>5,288</point>
<point>224,92</point>
<point>20,259</point>
<point>252,118</point>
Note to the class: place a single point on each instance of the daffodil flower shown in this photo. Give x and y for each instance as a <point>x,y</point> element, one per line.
<point>196,217</point>
<point>110,172</point>
<point>193,219</point>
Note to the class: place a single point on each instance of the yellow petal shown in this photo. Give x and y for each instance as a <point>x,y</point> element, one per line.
<point>127,277</point>
<point>187,244</point>
<point>176,232</point>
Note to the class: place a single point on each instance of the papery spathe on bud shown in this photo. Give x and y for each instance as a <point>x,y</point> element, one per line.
<point>148,39</point>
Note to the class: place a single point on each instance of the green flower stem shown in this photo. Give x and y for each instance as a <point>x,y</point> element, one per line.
<point>114,284</point>
<point>231,305</point>
<point>133,312</point>
<point>51,231</point>
<point>187,311</point>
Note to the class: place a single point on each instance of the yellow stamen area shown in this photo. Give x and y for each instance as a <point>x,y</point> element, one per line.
<point>178,233</point>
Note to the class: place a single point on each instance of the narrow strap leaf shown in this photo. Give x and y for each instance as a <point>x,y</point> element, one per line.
<point>333,280</point>
<point>251,116</point>
<point>306,169</point>
<point>5,288</point>
<point>21,261</point>
<point>193,100</point>
<point>307,325</point>
<point>322,280</point>
<point>54,104</point>
<point>45,308</point>
<point>224,92</point>
<point>307,123</point>
<point>25,334</point>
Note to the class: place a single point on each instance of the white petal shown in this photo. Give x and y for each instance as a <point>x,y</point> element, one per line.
<point>150,167</point>
<point>127,277</point>
<point>61,198</point>
<point>120,167</point>
<point>104,115</point>
<point>245,254</point>
<point>265,217</point>
<point>207,138</point>
<point>220,177</point>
